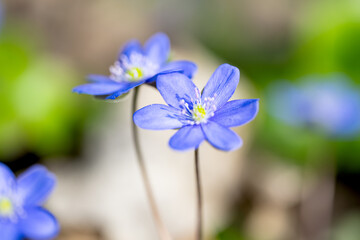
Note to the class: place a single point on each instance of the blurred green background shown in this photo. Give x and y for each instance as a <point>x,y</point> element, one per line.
<point>48,47</point>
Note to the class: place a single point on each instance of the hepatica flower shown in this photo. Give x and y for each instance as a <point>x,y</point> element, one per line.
<point>21,214</point>
<point>136,65</point>
<point>330,104</point>
<point>199,116</point>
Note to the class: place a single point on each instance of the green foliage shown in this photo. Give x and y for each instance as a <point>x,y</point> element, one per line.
<point>231,233</point>
<point>324,38</point>
<point>297,145</point>
<point>348,228</point>
<point>38,111</point>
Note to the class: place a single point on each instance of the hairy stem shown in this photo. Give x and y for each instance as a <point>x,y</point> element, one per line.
<point>199,196</point>
<point>162,231</point>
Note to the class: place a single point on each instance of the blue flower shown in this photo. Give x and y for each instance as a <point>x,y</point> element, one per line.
<point>207,116</point>
<point>136,65</point>
<point>330,105</point>
<point>21,214</point>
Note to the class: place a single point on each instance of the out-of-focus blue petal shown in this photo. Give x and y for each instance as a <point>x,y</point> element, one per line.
<point>124,88</point>
<point>288,103</point>
<point>330,104</point>
<point>35,185</point>
<point>98,88</point>
<point>188,137</point>
<point>157,48</point>
<point>175,86</point>
<point>185,67</point>
<point>133,46</point>
<point>9,231</point>
<point>98,78</point>
<point>157,117</point>
<point>7,178</point>
<point>153,78</point>
<point>221,137</point>
<point>236,112</point>
<point>39,224</point>
<point>222,84</point>
<point>336,108</point>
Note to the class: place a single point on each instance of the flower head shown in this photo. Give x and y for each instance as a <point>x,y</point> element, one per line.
<point>330,104</point>
<point>21,214</point>
<point>136,65</point>
<point>207,116</point>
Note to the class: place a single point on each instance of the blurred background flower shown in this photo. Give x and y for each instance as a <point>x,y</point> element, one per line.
<point>21,213</point>
<point>47,47</point>
<point>135,65</point>
<point>330,104</point>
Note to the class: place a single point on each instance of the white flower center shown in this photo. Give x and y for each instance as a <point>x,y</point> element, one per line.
<point>132,68</point>
<point>11,207</point>
<point>6,207</point>
<point>197,111</point>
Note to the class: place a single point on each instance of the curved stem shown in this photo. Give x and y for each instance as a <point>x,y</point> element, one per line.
<point>163,233</point>
<point>199,196</point>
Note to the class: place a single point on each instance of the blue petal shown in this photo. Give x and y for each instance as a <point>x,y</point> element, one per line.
<point>7,178</point>
<point>222,84</point>
<point>237,112</point>
<point>288,103</point>
<point>35,185</point>
<point>133,46</point>
<point>175,86</point>
<point>221,137</point>
<point>152,78</point>
<point>157,48</point>
<point>39,224</point>
<point>155,77</point>
<point>125,87</point>
<point>336,110</point>
<point>185,67</point>
<point>188,137</point>
<point>98,78</point>
<point>9,231</point>
<point>157,117</point>
<point>98,88</point>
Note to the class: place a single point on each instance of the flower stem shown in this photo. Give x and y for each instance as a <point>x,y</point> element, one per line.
<point>199,196</point>
<point>162,231</point>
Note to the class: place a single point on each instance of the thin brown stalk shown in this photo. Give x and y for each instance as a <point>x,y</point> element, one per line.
<point>162,231</point>
<point>199,196</point>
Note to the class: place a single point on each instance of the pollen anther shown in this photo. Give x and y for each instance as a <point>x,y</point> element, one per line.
<point>197,111</point>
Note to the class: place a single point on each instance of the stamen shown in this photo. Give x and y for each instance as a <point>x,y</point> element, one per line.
<point>197,93</point>
<point>197,111</point>
<point>132,68</point>
<point>6,207</point>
